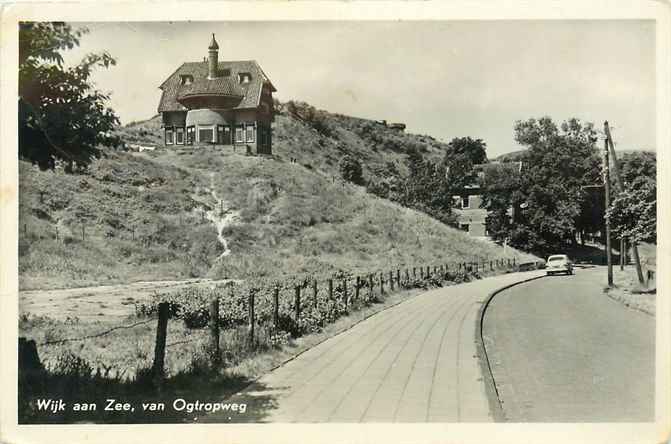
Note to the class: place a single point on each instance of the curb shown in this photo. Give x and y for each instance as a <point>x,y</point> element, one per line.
<point>495,405</point>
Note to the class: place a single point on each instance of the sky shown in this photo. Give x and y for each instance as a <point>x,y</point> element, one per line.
<point>442,78</point>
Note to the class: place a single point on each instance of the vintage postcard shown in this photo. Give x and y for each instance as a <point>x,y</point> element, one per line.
<point>335,221</point>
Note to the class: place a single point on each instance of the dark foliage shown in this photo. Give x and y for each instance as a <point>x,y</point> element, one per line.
<point>61,115</point>
<point>351,170</point>
<point>549,201</point>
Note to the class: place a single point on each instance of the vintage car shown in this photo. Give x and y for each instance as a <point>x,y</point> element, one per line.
<point>558,263</point>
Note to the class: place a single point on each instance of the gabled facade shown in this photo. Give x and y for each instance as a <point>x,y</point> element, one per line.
<point>470,216</point>
<point>218,103</point>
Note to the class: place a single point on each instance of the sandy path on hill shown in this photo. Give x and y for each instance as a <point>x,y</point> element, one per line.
<point>108,302</point>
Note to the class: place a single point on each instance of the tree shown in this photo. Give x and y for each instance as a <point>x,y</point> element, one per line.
<point>549,198</point>
<point>475,150</point>
<point>61,114</point>
<point>426,188</point>
<point>501,187</point>
<point>633,212</point>
<point>351,170</point>
<point>638,164</point>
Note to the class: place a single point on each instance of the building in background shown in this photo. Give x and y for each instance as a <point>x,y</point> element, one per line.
<point>470,216</point>
<point>218,103</point>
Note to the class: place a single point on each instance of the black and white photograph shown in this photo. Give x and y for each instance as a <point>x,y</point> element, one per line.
<point>356,222</point>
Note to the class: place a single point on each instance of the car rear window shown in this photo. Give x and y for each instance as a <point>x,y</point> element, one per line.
<point>556,258</point>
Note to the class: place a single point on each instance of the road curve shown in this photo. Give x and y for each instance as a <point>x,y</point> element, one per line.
<point>414,362</point>
<point>562,351</point>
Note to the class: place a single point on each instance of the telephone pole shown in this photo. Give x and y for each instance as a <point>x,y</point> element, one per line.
<point>606,184</point>
<point>620,185</point>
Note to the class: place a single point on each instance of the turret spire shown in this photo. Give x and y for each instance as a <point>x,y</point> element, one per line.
<point>213,59</point>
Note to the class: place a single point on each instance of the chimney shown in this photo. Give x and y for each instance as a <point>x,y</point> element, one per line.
<point>213,59</point>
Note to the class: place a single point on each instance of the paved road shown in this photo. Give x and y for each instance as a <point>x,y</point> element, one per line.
<point>562,351</point>
<point>414,362</point>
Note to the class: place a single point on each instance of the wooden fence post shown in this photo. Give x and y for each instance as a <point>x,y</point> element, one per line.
<point>297,303</point>
<point>158,369</point>
<point>407,275</point>
<point>398,277</point>
<point>251,317</point>
<point>344,289</point>
<point>381,283</point>
<point>391,280</point>
<point>414,272</point>
<point>330,289</point>
<point>371,289</point>
<point>491,266</point>
<point>356,288</point>
<point>276,307</point>
<point>214,329</point>
<point>314,292</point>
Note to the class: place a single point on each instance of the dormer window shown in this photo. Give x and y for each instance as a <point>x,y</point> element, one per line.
<point>244,77</point>
<point>186,79</point>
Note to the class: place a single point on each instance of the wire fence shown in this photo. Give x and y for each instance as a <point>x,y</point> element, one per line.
<point>295,307</point>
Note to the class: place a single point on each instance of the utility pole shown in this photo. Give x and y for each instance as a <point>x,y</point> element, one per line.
<point>618,179</point>
<point>606,184</point>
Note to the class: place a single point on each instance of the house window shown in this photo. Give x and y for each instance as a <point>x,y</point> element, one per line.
<point>463,227</point>
<point>179,136</point>
<point>190,134</point>
<point>186,79</point>
<point>205,134</point>
<point>169,136</point>
<point>226,72</point>
<point>244,77</point>
<point>465,200</point>
<point>224,134</point>
<point>239,134</point>
<point>250,133</point>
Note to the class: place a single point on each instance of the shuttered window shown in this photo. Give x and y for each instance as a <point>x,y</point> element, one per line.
<point>169,136</point>
<point>250,133</point>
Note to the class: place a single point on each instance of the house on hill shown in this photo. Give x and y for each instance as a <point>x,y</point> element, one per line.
<point>470,216</point>
<point>218,103</point>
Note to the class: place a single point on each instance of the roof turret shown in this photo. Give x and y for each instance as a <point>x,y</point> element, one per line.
<point>213,44</point>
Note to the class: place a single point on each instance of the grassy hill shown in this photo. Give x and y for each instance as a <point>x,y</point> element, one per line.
<point>318,139</point>
<point>172,214</point>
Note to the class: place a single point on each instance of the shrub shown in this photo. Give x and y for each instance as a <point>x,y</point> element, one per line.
<point>351,170</point>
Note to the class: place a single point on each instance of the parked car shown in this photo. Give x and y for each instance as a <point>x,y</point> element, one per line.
<point>558,263</point>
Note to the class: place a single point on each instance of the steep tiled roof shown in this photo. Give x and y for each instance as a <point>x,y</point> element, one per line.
<point>249,93</point>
